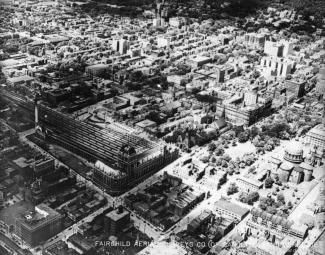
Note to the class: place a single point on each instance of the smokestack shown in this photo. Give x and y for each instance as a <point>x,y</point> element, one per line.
<point>36,113</point>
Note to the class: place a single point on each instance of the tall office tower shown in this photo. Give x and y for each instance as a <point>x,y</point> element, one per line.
<point>295,87</point>
<point>320,86</point>
<point>124,46</point>
<point>116,45</point>
<point>288,48</point>
<point>273,49</point>
<point>278,49</point>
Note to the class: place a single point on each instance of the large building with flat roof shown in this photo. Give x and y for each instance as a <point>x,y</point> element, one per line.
<point>116,220</point>
<point>249,185</point>
<point>230,209</point>
<point>33,225</point>
<point>235,111</point>
<point>15,81</point>
<point>134,158</point>
<point>316,136</point>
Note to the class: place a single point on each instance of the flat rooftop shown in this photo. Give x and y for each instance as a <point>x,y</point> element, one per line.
<point>20,79</point>
<point>22,211</point>
<point>228,206</point>
<point>116,215</point>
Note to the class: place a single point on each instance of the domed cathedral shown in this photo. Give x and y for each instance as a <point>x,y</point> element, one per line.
<point>285,171</point>
<point>307,171</point>
<point>294,153</point>
<point>302,166</point>
<point>294,167</point>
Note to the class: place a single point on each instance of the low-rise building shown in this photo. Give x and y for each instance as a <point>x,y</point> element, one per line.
<point>248,185</point>
<point>230,209</point>
<point>275,225</point>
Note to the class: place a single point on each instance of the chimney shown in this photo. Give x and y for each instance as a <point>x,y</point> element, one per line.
<point>36,112</point>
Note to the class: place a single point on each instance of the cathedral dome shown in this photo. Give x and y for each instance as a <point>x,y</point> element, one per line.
<point>294,152</point>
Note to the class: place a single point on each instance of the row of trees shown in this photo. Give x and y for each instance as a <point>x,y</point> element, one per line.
<point>249,198</point>
<point>278,206</point>
<point>267,137</point>
<point>232,166</point>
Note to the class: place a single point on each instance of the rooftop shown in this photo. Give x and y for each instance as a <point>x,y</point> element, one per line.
<point>270,248</point>
<point>318,130</point>
<point>22,212</point>
<point>20,79</point>
<point>294,148</point>
<point>229,206</point>
<point>116,215</point>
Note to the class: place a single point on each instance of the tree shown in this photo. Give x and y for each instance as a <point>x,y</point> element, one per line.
<point>268,183</point>
<point>224,163</point>
<point>242,197</point>
<point>137,76</point>
<point>205,159</point>
<point>218,162</point>
<point>230,170</point>
<point>268,147</point>
<point>243,137</point>
<point>266,202</point>
<point>254,132</point>
<point>154,116</point>
<point>232,189</point>
<point>280,198</point>
<point>272,210</point>
<point>219,151</point>
<point>249,159</point>
<point>252,169</point>
<point>263,206</point>
<point>232,134</point>
<point>252,197</point>
<point>226,157</point>
<point>212,146</point>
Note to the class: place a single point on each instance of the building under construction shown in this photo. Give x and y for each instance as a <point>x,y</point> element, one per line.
<point>122,160</point>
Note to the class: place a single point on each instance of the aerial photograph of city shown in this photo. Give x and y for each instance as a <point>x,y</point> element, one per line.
<point>162,127</point>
